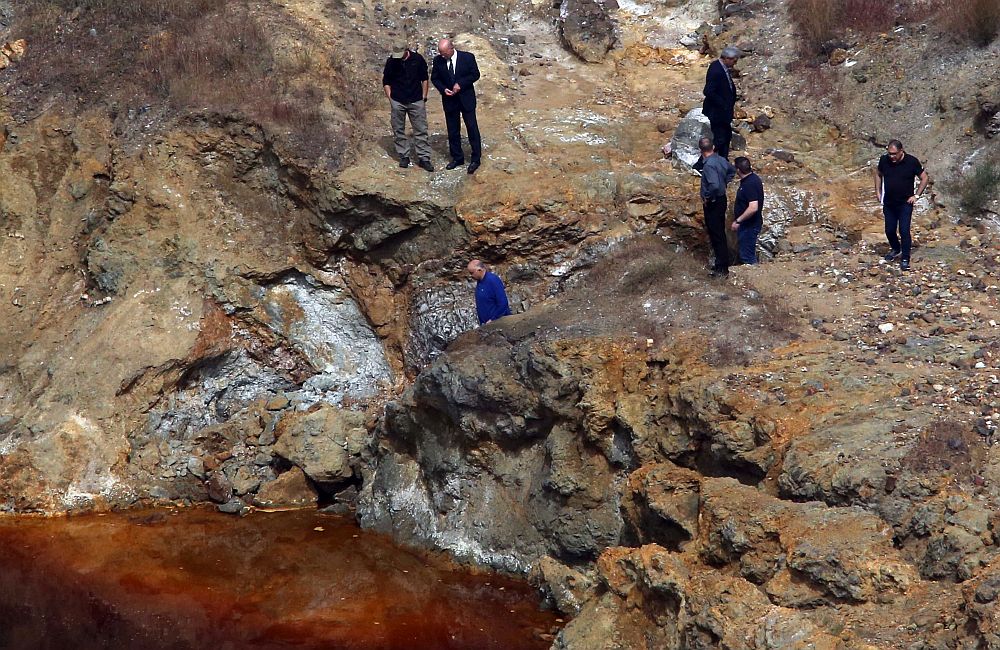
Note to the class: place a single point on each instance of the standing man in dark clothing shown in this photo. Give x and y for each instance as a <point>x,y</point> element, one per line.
<point>715,175</point>
<point>491,297</point>
<point>404,80</point>
<point>720,99</point>
<point>453,73</point>
<point>748,210</point>
<point>894,179</point>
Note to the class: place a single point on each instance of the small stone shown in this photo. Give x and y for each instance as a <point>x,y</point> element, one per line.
<point>277,403</point>
<point>219,487</point>
<point>232,507</point>
<point>761,123</point>
<point>885,328</point>
<point>838,56</point>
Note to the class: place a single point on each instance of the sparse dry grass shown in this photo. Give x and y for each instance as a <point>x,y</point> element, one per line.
<point>818,22</point>
<point>974,21</point>
<point>978,187</point>
<point>193,55</point>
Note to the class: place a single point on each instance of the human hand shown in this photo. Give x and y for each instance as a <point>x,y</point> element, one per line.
<point>456,88</point>
<point>911,200</point>
<point>449,92</point>
<point>735,226</point>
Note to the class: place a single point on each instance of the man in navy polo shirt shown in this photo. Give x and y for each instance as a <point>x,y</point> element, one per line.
<point>491,297</point>
<point>894,179</point>
<point>748,210</point>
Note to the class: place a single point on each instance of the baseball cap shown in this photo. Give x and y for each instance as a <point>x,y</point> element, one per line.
<point>399,49</point>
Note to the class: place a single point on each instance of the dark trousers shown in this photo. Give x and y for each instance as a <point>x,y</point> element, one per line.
<point>747,238</point>
<point>715,224</point>
<point>898,217</point>
<point>451,119</point>
<point>722,135</point>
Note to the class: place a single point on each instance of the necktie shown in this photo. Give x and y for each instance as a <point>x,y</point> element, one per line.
<point>451,68</point>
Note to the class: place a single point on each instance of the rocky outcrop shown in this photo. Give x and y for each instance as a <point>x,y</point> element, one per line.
<point>514,445</point>
<point>324,442</point>
<point>588,27</point>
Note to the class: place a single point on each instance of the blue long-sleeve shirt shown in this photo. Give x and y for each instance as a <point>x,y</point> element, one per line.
<point>491,299</point>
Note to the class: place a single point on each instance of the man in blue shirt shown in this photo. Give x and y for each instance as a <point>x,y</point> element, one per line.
<point>491,297</point>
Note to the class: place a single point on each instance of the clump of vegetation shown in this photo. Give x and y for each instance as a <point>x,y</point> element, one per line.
<point>202,55</point>
<point>975,21</point>
<point>979,186</point>
<point>819,22</point>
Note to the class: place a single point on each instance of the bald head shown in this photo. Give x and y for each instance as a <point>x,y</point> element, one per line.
<point>445,48</point>
<point>476,269</point>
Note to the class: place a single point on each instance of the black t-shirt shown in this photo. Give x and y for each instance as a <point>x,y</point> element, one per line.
<point>405,77</point>
<point>751,189</point>
<point>898,178</point>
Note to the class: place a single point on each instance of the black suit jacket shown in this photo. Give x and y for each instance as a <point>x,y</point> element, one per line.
<point>466,74</point>
<point>720,94</point>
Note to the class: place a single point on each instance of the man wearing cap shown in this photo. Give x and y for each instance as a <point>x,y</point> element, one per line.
<point>405,82</point>
<point>720,99</point>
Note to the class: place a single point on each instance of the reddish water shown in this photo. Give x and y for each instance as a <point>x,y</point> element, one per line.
<point>199,579</point>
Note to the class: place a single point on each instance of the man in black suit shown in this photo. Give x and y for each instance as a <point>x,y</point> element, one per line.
<point>453,73</point>
<point>720,99</point>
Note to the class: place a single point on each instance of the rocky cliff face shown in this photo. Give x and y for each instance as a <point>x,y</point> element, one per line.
<point>198,306</point>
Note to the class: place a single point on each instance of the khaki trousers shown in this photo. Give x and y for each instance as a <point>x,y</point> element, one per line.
<point>417,111</point>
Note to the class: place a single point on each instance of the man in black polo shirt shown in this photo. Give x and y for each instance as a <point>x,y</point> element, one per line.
<point>405,82</point>
<point>894,178</point>
<point>748,210</point>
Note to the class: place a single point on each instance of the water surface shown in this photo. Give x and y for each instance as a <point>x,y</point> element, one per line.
<point>199,579</point>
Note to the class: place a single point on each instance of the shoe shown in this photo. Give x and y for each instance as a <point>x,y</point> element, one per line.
<point>454,163</point>
<point>473,166</point>
<point>904,265</point>
<point>425,164</point>
<point>404,162</point>
<point>891,255</point>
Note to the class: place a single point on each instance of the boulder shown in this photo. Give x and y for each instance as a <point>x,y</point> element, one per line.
<point>290,490</point>
<point>322,442</point>
<point>588,28</point>
<point>691,128</point>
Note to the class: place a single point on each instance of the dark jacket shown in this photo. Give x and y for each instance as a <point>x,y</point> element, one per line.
<point>405,78</point>
<point>720,94</point>
<point>466,74</point>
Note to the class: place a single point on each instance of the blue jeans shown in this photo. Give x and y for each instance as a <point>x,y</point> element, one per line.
<point>746,236</point>
<point>898,216</point>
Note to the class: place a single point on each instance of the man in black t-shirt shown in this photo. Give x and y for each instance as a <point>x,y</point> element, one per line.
<point>748,210</point>
<point>405,82</point>
<point>894,179</point>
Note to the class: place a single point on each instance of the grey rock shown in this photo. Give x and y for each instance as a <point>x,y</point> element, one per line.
<point>232,507</point>
<point>691,128</point>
